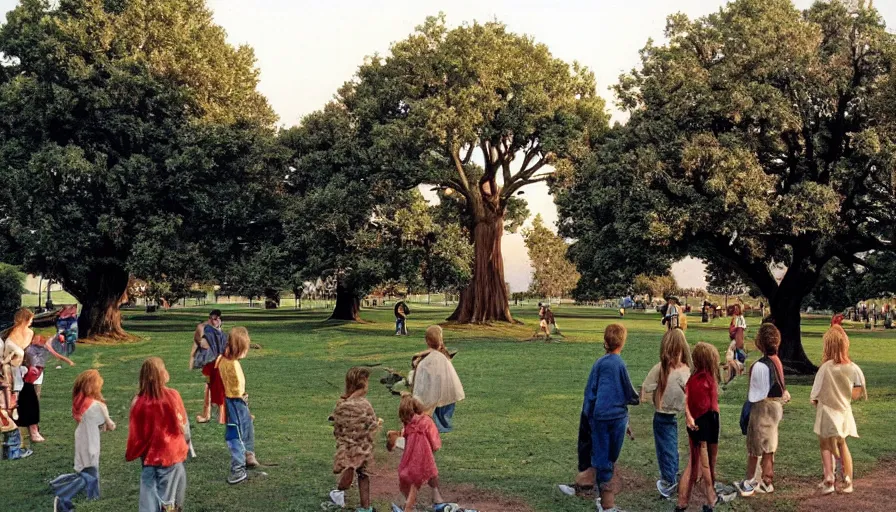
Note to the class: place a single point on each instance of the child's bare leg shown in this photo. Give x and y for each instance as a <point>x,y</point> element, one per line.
<point>206,405</point>
<point>732,371</point>
<point>846,457</point>
<point>713,450</point>
<point>345,479</point>
<point>827,460</point>
<point>411,498</point>
<point>436,494</point>
<point>37,388</point>
<point>768,467</point>
<point>752,461</point>
<point>684,487</point>
<point>364,488</point>
<point>708,484</point>
<point>222,413</point>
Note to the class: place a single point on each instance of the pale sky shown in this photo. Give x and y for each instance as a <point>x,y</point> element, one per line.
<point>307,49</point>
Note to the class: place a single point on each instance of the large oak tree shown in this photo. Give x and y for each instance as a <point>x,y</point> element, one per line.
<point>481,113</point>
<point>760,136</point>
<point>132,140</point>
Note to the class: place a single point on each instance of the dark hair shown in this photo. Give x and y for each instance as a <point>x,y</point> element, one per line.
<point>215,312</point>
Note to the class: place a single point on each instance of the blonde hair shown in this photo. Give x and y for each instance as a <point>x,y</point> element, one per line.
<point>90,384</point>
<point>153,377</point>
<point>674,351</point>
<point>408,408</point>
<point>706,359</point>
<point>768,339</point>
<point>237,343</point>
<point>836,346</point>
<point>434,339</point>
<point>614,336</point>
<point>356,379</point>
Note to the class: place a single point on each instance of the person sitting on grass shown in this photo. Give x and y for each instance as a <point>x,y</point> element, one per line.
<point>354,425</point>
<point>240,430</point>
<point>608,394</point>
<point>838,382</point>
<point>418,465</point>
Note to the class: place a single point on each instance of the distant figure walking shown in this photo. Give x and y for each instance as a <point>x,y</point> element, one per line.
<point>401,318</point>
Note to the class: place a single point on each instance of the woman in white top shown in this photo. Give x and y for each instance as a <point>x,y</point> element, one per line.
<point>838,382</point>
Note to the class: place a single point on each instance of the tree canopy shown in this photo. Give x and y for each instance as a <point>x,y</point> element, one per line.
<point>481,113</point>
<point>759,136</point>
<point>132,141</point>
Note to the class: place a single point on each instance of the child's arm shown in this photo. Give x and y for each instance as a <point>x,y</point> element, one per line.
<point>435,440</point>
<point>193,355</point>
<point>859,390</point>
<point>630,394</point>
<point>689,418</point>
<point>816,388</point>
<point>57,355</point>
<point>108,425</point>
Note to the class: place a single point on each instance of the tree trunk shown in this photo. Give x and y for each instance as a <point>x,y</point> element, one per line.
<point>348,305</point>
<point>105,290</point>
<point>786,317</point>
<point>485,298</point>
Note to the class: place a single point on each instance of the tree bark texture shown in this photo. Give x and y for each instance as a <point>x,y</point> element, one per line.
<point>484,300</point>
<point>103,293</point>
<point>786,317</point>
<point>348,305</point>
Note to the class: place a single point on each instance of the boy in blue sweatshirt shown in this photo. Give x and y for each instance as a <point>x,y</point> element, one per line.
<point>607,396</point>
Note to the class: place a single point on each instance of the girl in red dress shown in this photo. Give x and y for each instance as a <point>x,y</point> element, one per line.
<point>418,465</point>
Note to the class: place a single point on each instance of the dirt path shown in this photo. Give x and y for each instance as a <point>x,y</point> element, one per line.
<point>384,488</point>
<point>874,492</point>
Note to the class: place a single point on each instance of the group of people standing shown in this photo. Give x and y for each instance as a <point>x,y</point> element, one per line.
<point>425,414</point>
<point>686,383</point>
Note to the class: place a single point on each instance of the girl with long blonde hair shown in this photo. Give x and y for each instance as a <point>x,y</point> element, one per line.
<point>838,382</point>
<point>664,387</point>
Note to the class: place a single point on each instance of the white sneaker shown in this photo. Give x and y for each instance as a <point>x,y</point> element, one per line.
<point>764,488</point>
<point>567,490</point>
<point>847,486</point>
<point>827,488</point>
<point>337,497</point>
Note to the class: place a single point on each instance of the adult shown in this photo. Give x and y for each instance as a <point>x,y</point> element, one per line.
<point>209,341</point>
<point>672,314</point>
<point>401,311</point>
<point>18,339</point>
<point>761,310</point>
<point>738,326</point>
<point>435,382</point>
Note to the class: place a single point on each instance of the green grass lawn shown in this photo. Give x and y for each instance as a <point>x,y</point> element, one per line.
<point>515,433</point>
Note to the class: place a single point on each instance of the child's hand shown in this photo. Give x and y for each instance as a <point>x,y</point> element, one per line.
<point>692,425</point>
<point>786,396</point>
<point>71,363</point>
<point>629,433</point>
<point>110,425</point>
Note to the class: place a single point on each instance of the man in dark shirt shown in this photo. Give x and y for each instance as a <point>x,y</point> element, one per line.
<point>401,317</point>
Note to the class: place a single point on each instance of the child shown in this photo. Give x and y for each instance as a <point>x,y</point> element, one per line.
<point>354,425</point>
<point>666,382</point>
<point>767,394</point>
<point>735,358</point>
<point>90,413</point>
<point>738,327</point>
<point>36,355</point>
<point>608,393</point>
<point>702,414</point>
<point>240,431</point>
<point>209,341</point>
<point>417,466</point>
<point>435,382</point>
<point>837,383</point>
<point>157,435</point>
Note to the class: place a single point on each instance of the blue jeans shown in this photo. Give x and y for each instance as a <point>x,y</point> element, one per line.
<point>163,488</point>
<point>239,433</point>
<point>665,438</point>
<point>401,326</point>
<point>606,439</point>
<point>66,487</point>
<point>12,445</point>
<point>442,417</point>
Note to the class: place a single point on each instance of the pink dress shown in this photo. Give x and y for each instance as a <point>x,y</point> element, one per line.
<point>418,465</point>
